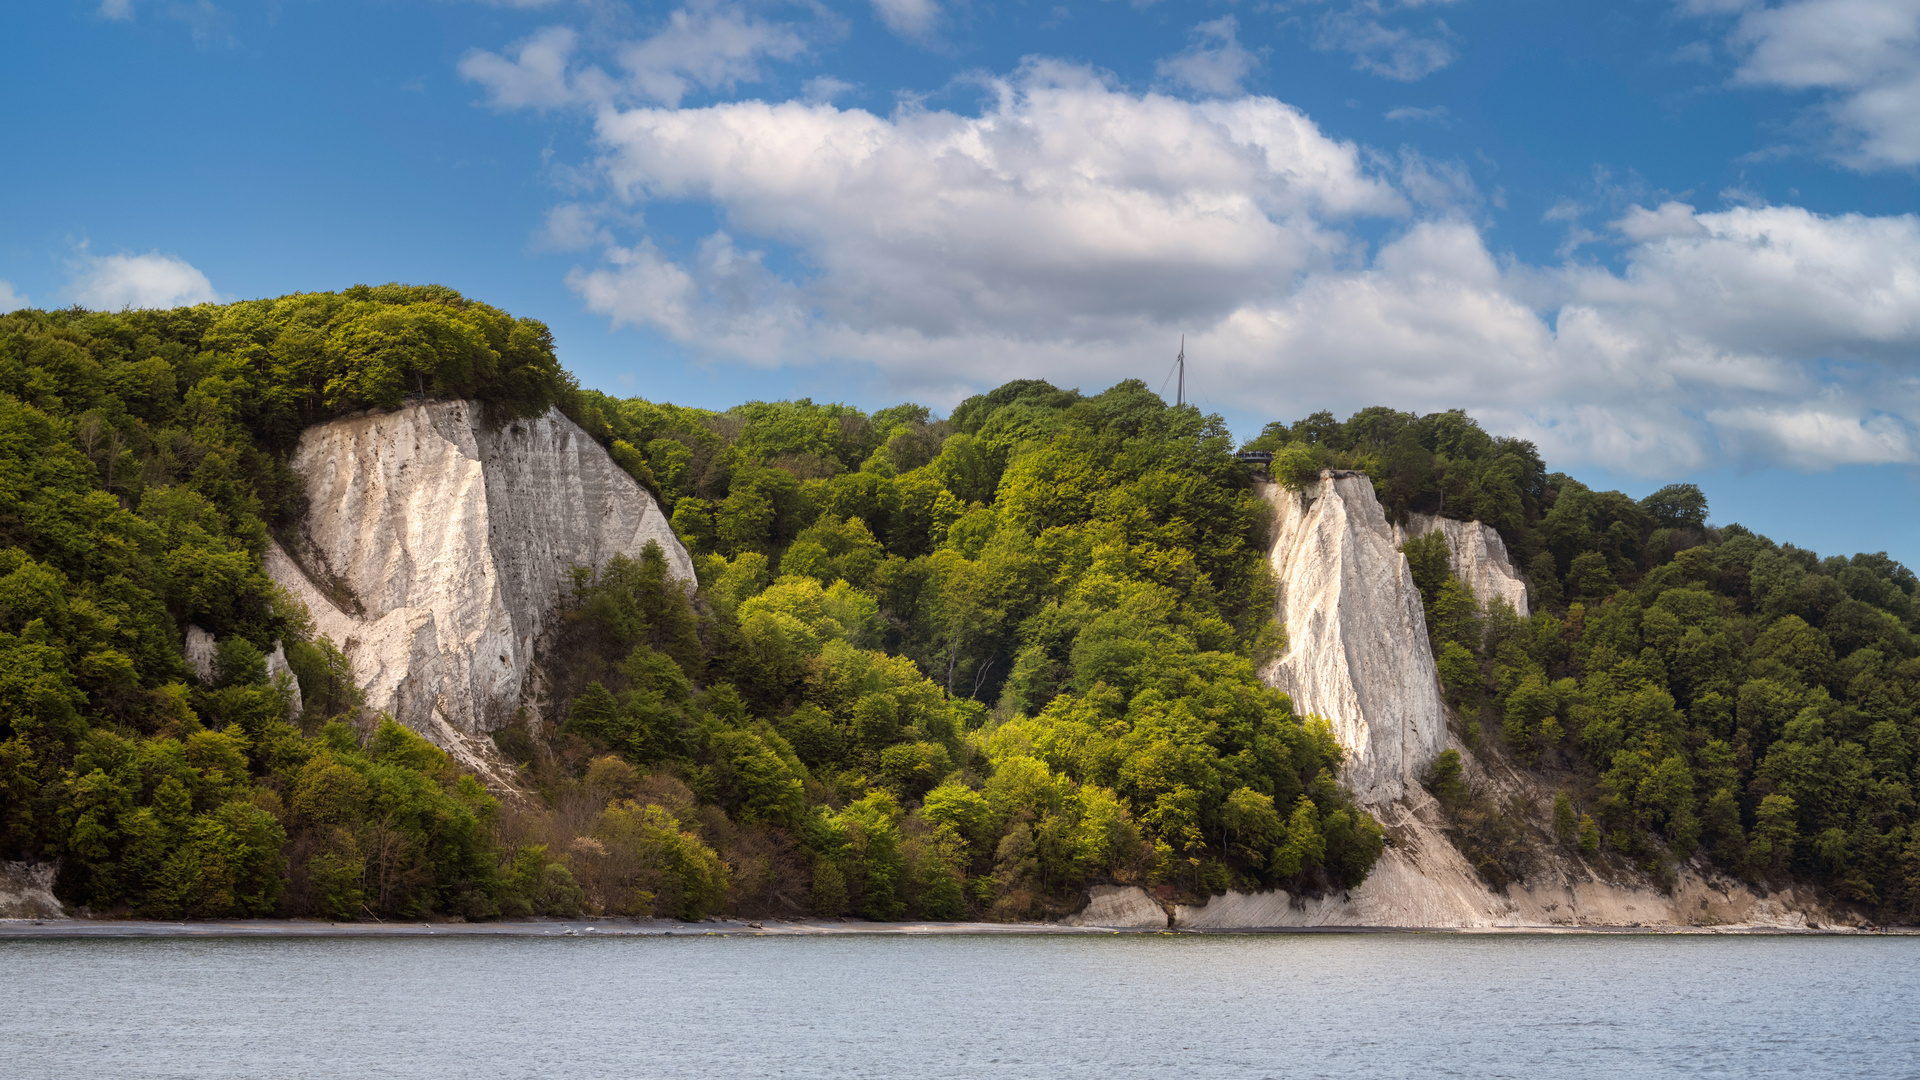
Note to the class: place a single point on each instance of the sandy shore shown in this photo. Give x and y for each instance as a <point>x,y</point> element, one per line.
<point>302,928</point>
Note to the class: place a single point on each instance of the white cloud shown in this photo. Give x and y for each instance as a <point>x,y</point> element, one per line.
<point>1214,63</point>
<point>535,77</point>
<point>1813,435</point>
<point>1693,52</point>
<point>209,23</point>
<point>706,45</point>
<point>911,19</point>
<point>153,280</point>
<point>1380,45</point>
<point>1640,223</point>
<point>1071,229</point>
<point>1438,114</point>
<point>10,300</point>
<point>728,304</point>
<point>824,88</point>
<point>1865,54</point>
<point>1065,200</point>
<point>572,227</point>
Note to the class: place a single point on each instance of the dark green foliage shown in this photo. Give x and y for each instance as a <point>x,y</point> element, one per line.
<point>1720,695</point>
<point>142,470</point>
<point>930,668</point>
<point>1445,779</point>
<point>1566,828</point>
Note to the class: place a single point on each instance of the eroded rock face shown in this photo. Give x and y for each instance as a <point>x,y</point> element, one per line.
<point>437,546</point>
<point>1479,557</point>
<point>26,891</point>
<point>1119,906</point>
<point>198,650</point>
<point>1423,881</point>
<point>276,667</point>
<point>1357,651</point>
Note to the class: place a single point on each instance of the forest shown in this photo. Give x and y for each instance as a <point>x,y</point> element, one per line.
<point>940,668</point>
<point>933,668</point>
<point>1694,692</point>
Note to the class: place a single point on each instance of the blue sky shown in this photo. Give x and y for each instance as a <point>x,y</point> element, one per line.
<point>1665,240</point>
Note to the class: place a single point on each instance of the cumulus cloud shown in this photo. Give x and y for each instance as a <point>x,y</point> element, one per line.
<point>209,23</point>
<point>726,302</point>
<point>710,46</point>
<point>1382,43</point>
<point>1214,63</point>
<point>153,280</point>
<point>1071,228</point>
<point>10,300</point>
<point>572,227</point>
<point>1864,54</point>
<point>707,45</point>
<point>535,76</point>
<point>911,19</point>
<point>1067,202</point>
<point>824,88</point>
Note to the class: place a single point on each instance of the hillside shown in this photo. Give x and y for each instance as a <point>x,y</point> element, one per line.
<point>938,668</point>
<point>1691,692</point>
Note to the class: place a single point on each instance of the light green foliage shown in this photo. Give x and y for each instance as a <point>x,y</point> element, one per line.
<point>674,872</point>
<point>839,611</point>
<point>932,668</point>
<point>1589,836</point>
<point>142,469</point>
<point>835,550</point>
<point>540,887</point>
<point>1296,467</point>
<point>1719,692</point>
<point>1095,565</point>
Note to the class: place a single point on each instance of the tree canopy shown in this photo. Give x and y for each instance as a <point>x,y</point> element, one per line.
<point>1699,692</point>
<point>940,668</point>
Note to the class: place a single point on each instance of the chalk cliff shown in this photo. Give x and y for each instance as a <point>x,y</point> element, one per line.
<point>1357,651</point>
<point>1357,654</point>
<point>26,891</point>
<point>1479,557</point>
<point>1119,906</point>
<point>1422,880</point>
<point>437,545</point>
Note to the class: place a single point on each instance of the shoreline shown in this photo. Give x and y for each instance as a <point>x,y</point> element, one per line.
<point>26,929</point>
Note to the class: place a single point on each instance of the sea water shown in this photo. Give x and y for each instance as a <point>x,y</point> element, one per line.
<point>1367,1005</point>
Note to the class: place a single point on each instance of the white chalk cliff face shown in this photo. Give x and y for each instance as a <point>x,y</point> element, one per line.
<point>437,545</point>
<point>1479,557</point>
<point>1357,654</point>
<point>1357,651</point>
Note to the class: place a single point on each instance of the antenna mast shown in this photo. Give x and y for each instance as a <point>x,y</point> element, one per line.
<point>1180,395</point>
